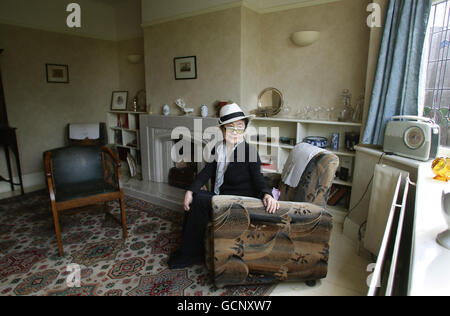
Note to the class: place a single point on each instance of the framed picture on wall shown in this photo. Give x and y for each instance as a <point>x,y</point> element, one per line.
<point>57,73</point>
<point>185,67</point>
<point>119,100</point>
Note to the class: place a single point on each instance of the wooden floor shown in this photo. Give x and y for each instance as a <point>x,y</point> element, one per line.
<point>347,271</point>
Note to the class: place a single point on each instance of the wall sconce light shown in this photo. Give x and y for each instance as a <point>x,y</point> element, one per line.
<point>305,38</point>
<point>134,59</point>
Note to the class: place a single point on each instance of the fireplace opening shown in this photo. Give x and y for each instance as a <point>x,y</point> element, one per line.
<point>184,172</point>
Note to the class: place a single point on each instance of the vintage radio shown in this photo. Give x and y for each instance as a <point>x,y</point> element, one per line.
<point>412,137</point>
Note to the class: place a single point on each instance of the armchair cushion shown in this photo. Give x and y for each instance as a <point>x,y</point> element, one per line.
<point>247,245</point>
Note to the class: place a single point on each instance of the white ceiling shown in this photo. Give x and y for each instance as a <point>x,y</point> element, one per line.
<point>122,19</point>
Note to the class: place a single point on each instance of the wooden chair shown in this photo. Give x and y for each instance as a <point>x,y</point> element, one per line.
<point>78,176</point>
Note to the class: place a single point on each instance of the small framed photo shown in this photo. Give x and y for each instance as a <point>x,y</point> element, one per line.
<point>185,67</point>
<point>57,73</point>
<point>119,100</point>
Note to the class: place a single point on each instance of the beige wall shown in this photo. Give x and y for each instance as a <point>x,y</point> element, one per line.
<point>257,53</point>
<point>41,110</point>
<point>131,76</point>
<point>376,35</point>
<point>215,39</point>
<point>251,58</point>
<point>317,74</point>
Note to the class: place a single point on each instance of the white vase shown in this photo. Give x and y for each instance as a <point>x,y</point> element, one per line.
<point>166,109</point>
<point>204,110</point>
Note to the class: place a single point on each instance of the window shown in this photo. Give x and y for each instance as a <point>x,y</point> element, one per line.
<point>437,62</point>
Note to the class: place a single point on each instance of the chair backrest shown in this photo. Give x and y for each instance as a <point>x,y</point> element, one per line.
<point>315,182</point>
<point>77,164</point>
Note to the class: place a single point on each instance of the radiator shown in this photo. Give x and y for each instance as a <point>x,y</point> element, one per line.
<point>384,195</point>
<point>385,225</point>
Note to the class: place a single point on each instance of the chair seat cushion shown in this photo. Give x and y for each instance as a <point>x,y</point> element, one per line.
<point>81,190</point>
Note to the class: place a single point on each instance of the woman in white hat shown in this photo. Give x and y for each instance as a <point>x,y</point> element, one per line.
<point>236,171</point>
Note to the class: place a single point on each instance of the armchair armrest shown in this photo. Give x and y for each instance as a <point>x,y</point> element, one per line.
<point>50,181</point>
<point>108,151</point>
<point>48,164</point>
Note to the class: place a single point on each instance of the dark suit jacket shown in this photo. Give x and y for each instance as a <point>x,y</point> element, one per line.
<point>243,176</point>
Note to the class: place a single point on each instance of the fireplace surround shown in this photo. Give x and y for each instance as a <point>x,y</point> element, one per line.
<point>157,142</point>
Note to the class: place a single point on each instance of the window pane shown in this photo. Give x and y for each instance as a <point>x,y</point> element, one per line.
<point>437,85</point>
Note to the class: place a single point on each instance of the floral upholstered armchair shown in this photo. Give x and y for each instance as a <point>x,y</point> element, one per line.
<point>246,245</point>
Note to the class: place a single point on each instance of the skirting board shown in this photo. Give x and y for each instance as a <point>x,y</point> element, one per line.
<point>29,180</point>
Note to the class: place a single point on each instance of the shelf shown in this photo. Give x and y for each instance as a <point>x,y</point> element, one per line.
<point>129,147</point>
<point>124,129</point>
<point>343,152</point>
<point>285,146</point>
<point>341,182</point>
<point>274,119</point>
<point>126,112</point>
<point>336,123</point>
<point>270,171</point>
<point>294,120</point>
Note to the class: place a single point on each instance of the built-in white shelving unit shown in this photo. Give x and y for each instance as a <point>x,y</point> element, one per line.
<point>123,133</point>
<point>274,154</point>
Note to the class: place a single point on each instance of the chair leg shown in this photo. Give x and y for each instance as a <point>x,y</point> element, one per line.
<point>106,209</point>
<point>57,230</point>
<point>124,216</point>
<point>106,204</point>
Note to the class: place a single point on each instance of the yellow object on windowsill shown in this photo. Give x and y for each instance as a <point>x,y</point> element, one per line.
<point>441,167</point>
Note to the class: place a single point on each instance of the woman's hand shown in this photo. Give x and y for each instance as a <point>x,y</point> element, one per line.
<point>271,204</point>
<point>187,201</point>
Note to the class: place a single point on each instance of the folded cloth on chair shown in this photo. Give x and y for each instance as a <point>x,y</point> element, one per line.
<point>297,161</point>
<point>83,131</point>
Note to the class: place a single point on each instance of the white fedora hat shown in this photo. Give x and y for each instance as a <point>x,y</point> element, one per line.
<point>231,113</point>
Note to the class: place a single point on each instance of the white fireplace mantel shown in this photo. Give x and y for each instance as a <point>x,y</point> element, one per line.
<point>155,131</point>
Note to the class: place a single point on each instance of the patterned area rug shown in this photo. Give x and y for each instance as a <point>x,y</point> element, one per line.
<point>94,249</point>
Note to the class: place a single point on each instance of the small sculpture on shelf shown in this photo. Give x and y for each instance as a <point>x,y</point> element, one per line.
<point>182,105</point>
<point>347,112</point>
<point>166,110</point>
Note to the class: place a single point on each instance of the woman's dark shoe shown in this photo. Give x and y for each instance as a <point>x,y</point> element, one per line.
<point>179,261</point>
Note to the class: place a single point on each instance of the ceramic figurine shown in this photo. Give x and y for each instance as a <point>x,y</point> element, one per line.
<point>166,109</point>
<point>182,105</point>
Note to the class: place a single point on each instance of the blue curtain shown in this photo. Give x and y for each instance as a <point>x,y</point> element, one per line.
<point>396,85</point>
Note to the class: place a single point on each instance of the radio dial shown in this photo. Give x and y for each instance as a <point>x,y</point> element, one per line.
<point>414,137</point>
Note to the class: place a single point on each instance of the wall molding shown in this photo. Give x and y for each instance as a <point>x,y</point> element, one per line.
<point>222,7</point>
<point>54,30</point>
<point>237,4</point>
<point>310,3</point>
